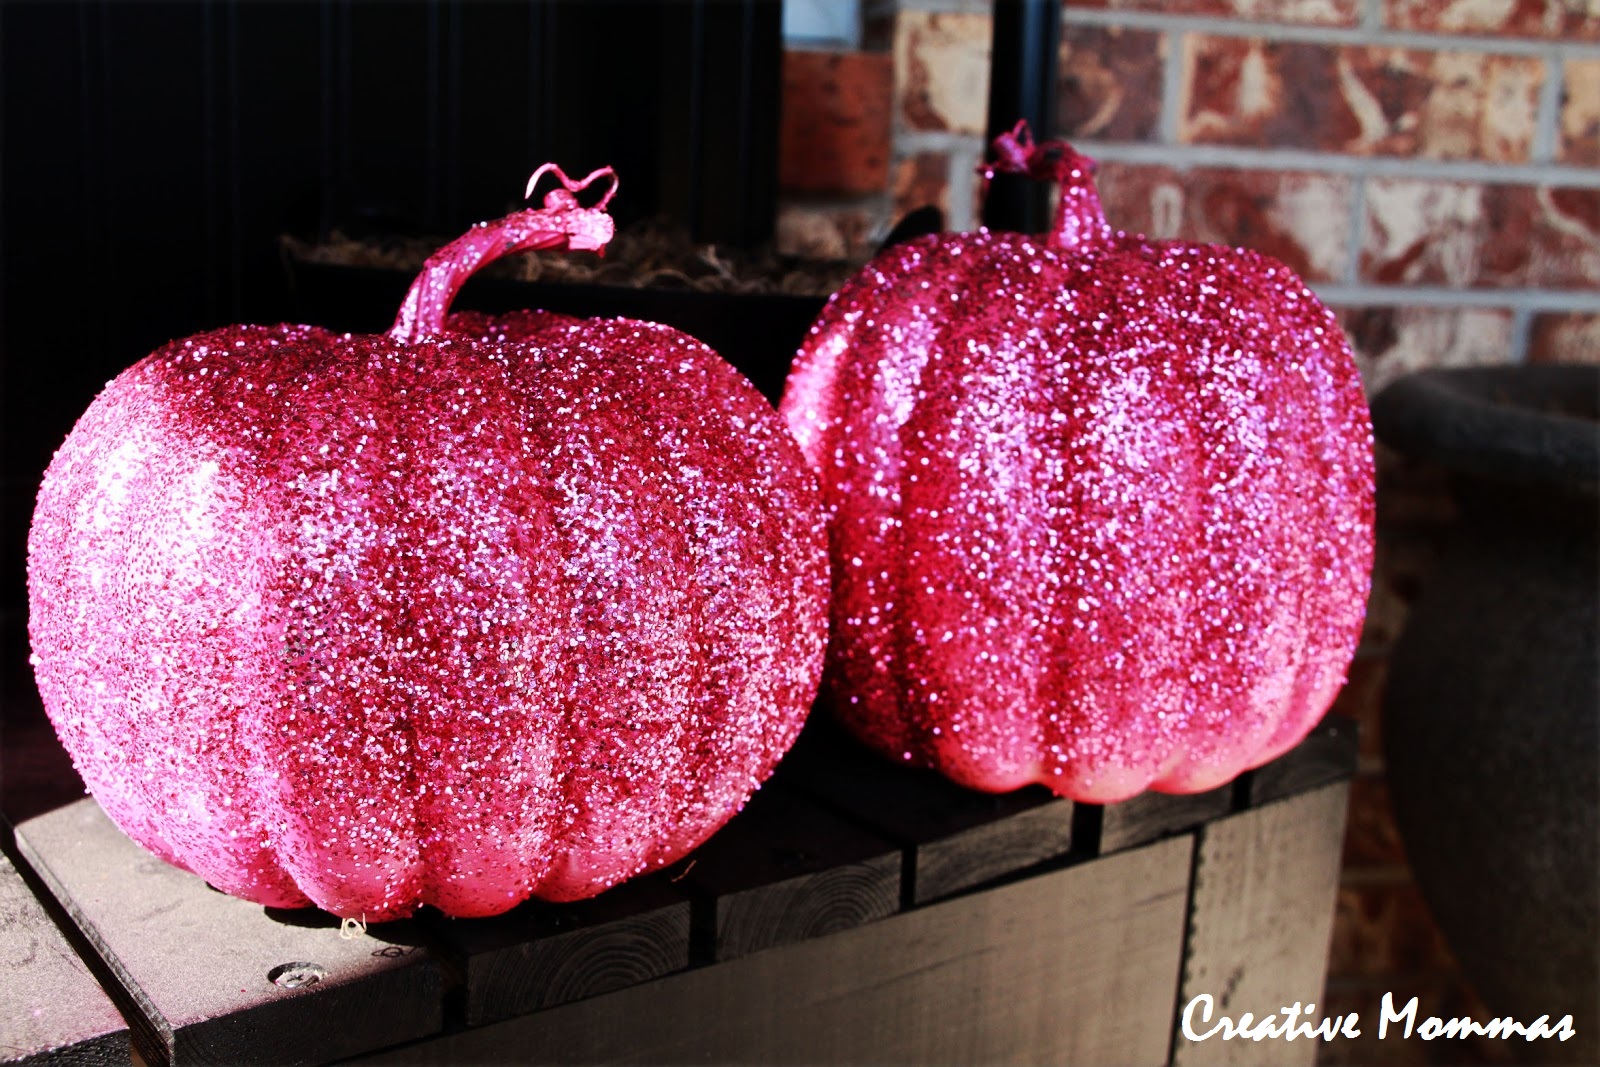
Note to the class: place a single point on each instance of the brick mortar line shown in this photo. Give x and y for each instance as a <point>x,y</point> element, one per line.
<point>961,184</point>
<point>1547,114</point>
<point>1371,15</point>
<point>1531,301</point>
<point>947,7</point>
<point>1358,230</point>
<point>1217,26</point>
<point>908,141</point>
<point>1188,156</point>
<point>1171,117</point>
<point>1231,157</point>
<point>1521,332</point>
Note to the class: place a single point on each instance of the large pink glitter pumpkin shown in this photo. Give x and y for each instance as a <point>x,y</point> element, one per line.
<point>475,611</point>
<point>1101,507</point>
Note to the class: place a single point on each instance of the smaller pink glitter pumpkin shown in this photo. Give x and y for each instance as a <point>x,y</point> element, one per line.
<point>471,612</point>
<point>1100,507</point>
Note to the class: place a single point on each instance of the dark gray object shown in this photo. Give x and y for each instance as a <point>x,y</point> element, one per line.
<point>1492,712</point>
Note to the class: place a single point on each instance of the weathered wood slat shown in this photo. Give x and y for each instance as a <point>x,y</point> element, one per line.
<point>1328,754</point>
<point>197,962</point>
<point>1021,973</point>
<point>796,911</point>
<point>786,869</point>
<point>1265,882</point>
<point>52,1011</point>
<point>957,838</point>
<point>1151,815</point>
<point>540,955</point>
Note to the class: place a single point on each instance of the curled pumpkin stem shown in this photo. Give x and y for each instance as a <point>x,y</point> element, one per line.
<point>567,195</point>
<point>560,223</point>
<point>1046,161</point>
<point>1080,220</point>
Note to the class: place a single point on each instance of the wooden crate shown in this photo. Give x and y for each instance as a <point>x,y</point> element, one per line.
<point>855,912</point>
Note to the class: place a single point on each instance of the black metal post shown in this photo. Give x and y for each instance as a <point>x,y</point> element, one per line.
<point>1022,85</point>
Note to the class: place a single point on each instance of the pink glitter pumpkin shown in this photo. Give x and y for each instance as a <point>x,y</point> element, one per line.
<point>1101,507</point>
<point>472,612</point>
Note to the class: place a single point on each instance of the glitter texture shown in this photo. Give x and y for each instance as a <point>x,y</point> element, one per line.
<point>1100,508</point>
<point>481,610</point>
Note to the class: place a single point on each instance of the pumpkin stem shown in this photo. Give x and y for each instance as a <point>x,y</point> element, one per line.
<point>561,223</point>
<point>1080,220</point>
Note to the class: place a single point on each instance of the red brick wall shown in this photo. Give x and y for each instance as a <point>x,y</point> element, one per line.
<point>1432,167</point>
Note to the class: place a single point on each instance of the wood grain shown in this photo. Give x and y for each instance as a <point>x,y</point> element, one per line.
<point>52,1011</point>
<point>1152,815</point>
<point>540,955</point>
<point>1017,974</point>
<point>956,838</point>
<point>1262,914</point>
<point>786,869</point>
<point>196,963</point>
<point>1328,754</point>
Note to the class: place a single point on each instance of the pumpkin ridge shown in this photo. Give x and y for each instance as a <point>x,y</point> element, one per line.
<point>960,350</point>
<point>1305,705</point>
<point>1213,697</point>
<point>54,573</point>
<point>563,694</point>
<point>1277,599</point>
<point>608,433</point>
<point>1349,466</point>
<point>1108,681</point>
<point>912,742</point>
<point>1198,364</point>
<point>1062,710</point>
<point>207,413</point>
<point>731,478</point>
<point>270,505</point>
<point>473,836</point>
<point>810,404</point>
<point>170,733</point>
<point>626,380</point>
<point>375,705</point>
<point>873,386</point>
<point>828,454</point>
<point>405,719</point>
<point>722,494</point>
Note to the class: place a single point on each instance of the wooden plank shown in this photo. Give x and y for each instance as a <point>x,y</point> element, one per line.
<point>1029,827</point>
<point>1152,815</point>
<point>540,955</point>
<point>1017,974</point>
<point>1262,914</point>
<point>200,965</point>
<point>957,838</point>
<point>785,869</point>
<point>1328,754</point>
<point>52,1011</point>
